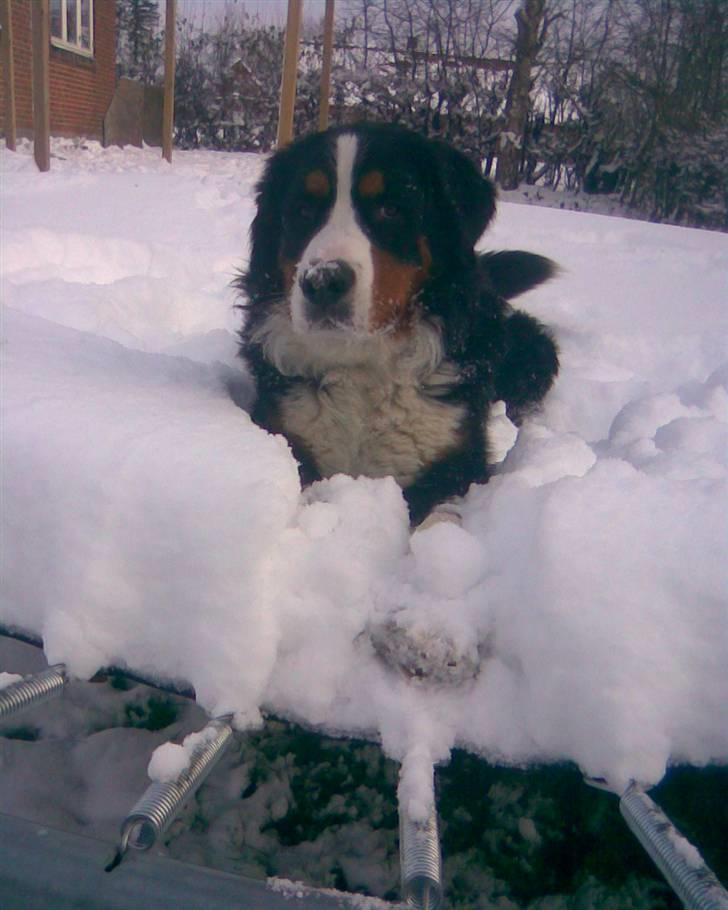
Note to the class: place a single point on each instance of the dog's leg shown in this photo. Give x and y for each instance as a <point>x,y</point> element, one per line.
<point>449,478</point>
<point>529,367</point>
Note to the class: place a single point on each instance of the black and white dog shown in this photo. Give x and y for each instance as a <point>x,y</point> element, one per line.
<point>378,338</point>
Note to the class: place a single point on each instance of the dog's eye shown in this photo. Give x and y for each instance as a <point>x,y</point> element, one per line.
<point>387,212</point>
<point>307,209</point>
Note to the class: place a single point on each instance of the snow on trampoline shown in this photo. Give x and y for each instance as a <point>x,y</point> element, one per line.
<point>147,522</point>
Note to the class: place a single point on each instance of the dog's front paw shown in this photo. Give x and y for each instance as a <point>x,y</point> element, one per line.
<point>424,655</point>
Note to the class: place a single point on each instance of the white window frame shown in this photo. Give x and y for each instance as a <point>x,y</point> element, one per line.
<point>71,7</point>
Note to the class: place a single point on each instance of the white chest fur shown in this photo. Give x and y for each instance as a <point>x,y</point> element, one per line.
<point>353,421</point>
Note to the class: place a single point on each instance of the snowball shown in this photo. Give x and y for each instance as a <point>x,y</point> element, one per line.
<point>502,433</point>
<point>168,761</point>
<point>8,679</point>
<point>448,560</point>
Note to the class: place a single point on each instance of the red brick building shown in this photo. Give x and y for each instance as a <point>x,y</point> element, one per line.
<point>82,66</point>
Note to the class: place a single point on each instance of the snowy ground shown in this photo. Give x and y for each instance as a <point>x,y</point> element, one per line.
<point>147,522</point>
<point>566,200</point>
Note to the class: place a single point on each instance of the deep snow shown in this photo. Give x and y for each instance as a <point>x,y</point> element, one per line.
<point>146,521</point>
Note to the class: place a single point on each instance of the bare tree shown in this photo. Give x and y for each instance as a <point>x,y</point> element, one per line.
<point>662,109</point>
<point>529,39</point>
<point>437,65</point>
<point>628,97</point>
<point>560,142</point>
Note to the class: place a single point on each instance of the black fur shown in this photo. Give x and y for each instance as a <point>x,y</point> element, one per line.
<point>500,353</point>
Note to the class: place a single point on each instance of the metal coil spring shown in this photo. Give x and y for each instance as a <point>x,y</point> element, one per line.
<point>162,801</point>
<point>420,862</point>
<point>683,867</point>
<point>32,690</point>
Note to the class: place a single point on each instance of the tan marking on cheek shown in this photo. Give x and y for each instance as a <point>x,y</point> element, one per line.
<point>394,288</point>
<point>317,184</point>
<point>371,184</point>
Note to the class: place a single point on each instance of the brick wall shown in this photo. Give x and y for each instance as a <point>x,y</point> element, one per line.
<point>23,70</point>
<point>81,89</point>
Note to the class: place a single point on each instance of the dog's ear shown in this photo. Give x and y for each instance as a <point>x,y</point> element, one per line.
<point>514,272</point>
<point>464,204</point>
<point>263,277</point>
<point>472,194</point>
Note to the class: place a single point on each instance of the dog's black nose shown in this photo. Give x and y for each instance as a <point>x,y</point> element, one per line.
<point>325,284</point>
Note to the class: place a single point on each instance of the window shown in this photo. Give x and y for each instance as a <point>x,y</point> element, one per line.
<point>72,25</point>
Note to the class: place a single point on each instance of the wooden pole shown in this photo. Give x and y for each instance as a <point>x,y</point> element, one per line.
<point>170,20</point>
<point>6,22</point>
<point>40,25</point>
<point>328,50</point>
<point>288,79</point>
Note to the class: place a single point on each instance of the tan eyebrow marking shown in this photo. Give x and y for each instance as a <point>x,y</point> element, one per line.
<point>372,184</point>
<point>317,184</point>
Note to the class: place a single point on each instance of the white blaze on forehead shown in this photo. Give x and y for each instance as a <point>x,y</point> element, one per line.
<point>340,238</point>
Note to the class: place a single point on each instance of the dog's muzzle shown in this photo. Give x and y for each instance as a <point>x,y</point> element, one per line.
<point>326,286</point>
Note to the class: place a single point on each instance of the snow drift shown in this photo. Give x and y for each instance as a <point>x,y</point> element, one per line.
<point>146,521</point>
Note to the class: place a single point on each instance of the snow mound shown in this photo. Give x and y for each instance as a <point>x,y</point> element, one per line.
<point>148,522</point>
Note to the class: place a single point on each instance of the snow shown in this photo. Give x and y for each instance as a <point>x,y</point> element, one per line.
<point>685,849</point>
<point>9,679</point>
<point>298,890</point>
<point>448,561</point>
<point>170,760</point>
<point>148,523</point>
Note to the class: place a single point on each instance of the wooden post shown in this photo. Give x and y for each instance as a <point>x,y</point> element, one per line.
<point>6,22</point>
<point>288,79</point>
<point>328,50</point>
<point>40,25</point>
<point>170,24</point>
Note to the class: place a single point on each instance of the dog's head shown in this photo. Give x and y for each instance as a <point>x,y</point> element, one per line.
<point>352,223</point>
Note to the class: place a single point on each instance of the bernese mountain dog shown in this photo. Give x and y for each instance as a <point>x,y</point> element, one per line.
<point>378,338</point>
